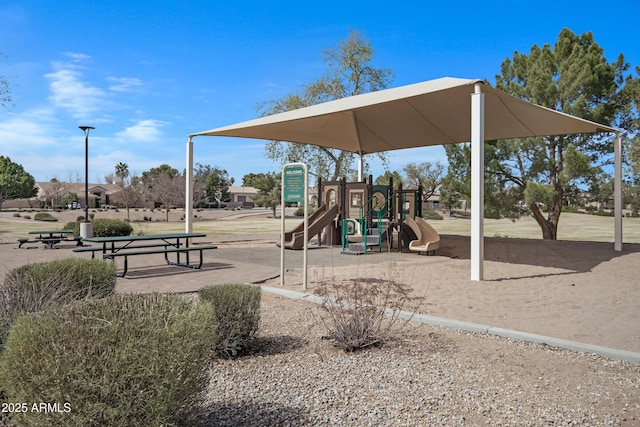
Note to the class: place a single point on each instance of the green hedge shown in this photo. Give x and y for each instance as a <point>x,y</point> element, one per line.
<point>44,216</point>
<point>35,287</point>
<point>237,316</point>
<point>103,227</point>
<point>124,360</point>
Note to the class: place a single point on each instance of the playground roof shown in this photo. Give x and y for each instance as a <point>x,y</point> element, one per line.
<point>434,112</point>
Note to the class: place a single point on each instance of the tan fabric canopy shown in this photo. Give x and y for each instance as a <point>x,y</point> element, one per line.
<point>435,112</point>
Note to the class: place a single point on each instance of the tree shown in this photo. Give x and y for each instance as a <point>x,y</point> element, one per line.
<point>123,180</point>
<point>573,77</point>
<point>268,185</point>
<point>458,178</point>
<point>211,184</point>
<point>384,179</point>
<point>350,73</point>
<point>53,194</point>
<point>165,186</point>
<point>15,183</point>
<point>5,91</point>
<point>425,174</point>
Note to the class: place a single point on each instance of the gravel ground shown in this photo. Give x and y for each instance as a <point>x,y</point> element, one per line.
<point>426,377</point>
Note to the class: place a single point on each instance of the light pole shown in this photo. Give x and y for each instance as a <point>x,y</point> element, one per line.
<point>85,228</point>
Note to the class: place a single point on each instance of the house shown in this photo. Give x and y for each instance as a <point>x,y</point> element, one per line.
<point>52,193</point>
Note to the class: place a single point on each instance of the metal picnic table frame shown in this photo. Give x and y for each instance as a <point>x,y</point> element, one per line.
<point>50,238</point>
<point>125,246</point>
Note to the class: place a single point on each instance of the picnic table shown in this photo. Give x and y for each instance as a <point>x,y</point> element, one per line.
<point>165,244</point>
<point>50,238</point>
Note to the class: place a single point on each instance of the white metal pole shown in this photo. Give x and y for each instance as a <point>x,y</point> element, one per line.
<point>477,183</point>
<point>306,227</point>
<point>282,227</point>
<point>617,191</point>
<point>188,192</point>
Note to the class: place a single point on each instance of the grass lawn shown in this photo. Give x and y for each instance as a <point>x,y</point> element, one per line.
<point>571,227</point>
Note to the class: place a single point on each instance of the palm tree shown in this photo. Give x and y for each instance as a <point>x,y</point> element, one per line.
<point>122,173</point>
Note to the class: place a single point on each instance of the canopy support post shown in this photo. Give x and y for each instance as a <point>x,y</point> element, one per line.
<point>188,192</point>
<point>360,160</point>
<point>477,183</point>
<point>617,191</point>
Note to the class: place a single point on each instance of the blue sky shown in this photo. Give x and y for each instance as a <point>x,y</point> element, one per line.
<point>146,74</point>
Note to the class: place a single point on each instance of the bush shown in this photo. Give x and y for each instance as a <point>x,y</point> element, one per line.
<point>74,225</point>
<point>604,213</point>
<point>44,216</point>
<point>16,214</point>
<point>35,287</point>
<point>570,209</point>
<point>362,313</point>
<point>103,227</point>
<point>237,316</point>
<point>125,360</point>
<point>111,227</point>
<point>432,215</point>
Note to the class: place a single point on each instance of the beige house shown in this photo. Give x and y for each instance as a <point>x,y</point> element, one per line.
<point>242,194</point>
<point>52,193</point>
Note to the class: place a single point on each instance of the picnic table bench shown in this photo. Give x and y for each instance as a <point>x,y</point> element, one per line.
<point>128,246</point>
<point>50,238</point>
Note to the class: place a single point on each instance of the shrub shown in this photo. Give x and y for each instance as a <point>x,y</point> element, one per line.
<point>362,313</point>
<point>111,227</point>
<point>570,209</point>
<point>300,211</point>
<point>34,287</point>
<point>44,216</point>
<point>74,225</point>
<point>237,316</point>
<point>16,214</point>
<point>27,217</point>
<point>103,227</point>
<point>125,360</point>
<point>432,215</point>
<point>604,213</point>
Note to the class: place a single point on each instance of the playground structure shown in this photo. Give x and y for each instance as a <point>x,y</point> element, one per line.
<point>361,216</point>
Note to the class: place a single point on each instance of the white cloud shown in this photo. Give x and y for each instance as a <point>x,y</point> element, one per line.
<point>77,57</point>
<point>27,130</point>
<point>69,92</point>
<point>144,130</point>
<point>124,84</point>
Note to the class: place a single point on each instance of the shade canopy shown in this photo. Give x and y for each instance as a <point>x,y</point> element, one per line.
<point>434,112</point>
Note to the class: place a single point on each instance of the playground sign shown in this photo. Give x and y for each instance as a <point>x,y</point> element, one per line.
<point>294,178</point>
<point>295,185</point>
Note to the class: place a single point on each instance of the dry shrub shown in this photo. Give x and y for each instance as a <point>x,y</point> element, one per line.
<point>362,313</point>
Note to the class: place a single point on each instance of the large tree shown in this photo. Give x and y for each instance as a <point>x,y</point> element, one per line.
<point>574,77</point>
<point>268,185</point>
<point>350,72</point>
<point>15,182</point>
<point>211,184</point>
<point>425,174</point>
<point>164,186</point>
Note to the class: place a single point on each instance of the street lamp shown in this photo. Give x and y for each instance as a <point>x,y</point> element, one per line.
<point>85,229</point>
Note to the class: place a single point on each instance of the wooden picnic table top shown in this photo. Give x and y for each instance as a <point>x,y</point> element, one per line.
<point>143,237</point>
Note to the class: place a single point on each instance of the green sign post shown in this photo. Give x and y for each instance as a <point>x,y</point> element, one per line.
<point>295,185</point>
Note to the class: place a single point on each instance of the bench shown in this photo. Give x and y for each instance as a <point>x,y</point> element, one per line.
<point>166,251</point>
<point>50,242</point>
<point>94,249</point>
